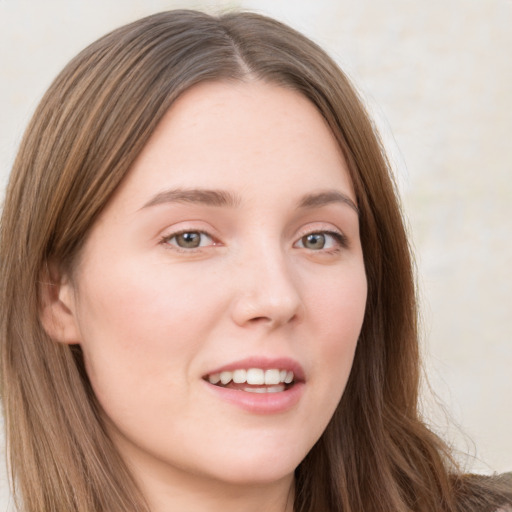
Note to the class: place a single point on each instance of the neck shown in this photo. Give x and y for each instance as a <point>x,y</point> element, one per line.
<point>203,494</point>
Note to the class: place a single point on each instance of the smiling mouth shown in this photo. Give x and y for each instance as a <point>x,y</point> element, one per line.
<point>254,380</point>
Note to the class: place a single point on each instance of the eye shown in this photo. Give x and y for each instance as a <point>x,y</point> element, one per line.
<point>322,240</point>
<point>189,240</point>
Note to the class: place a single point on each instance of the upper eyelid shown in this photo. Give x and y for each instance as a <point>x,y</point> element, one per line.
<point>331,229</point>
<point>182,231</point>
<point>171,231</point>
<point>322,229</point>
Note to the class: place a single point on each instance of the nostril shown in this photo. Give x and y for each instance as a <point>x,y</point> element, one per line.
<point>264,320</point>
<point>260,319</point>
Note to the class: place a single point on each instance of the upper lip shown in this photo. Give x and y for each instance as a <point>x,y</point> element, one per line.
<point>265,363</point>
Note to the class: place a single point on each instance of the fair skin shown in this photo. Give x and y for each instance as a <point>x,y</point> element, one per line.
<point>233,244</point>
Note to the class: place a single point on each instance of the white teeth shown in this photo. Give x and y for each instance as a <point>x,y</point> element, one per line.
<point>275,389</point>
<point>271,377</point>
<point>225,377</point>
<point>239,376</point>
<point>269,389</point>
<point>214,378</point>
<point>256,390</point>
<point>255,376</point>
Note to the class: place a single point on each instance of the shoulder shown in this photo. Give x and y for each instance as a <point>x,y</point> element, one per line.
<point>505,481</point>
<point>484,493</point>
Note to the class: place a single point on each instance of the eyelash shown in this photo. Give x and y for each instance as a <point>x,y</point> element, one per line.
<point>165,240</point>
<point>340,239</point>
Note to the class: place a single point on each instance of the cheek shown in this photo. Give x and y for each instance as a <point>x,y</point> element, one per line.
<point>337,311</point>
<point>140,339</point>
<point>139,330</point>
<point>137,302</point>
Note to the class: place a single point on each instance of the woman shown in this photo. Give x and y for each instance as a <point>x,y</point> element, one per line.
<point>207,294</point>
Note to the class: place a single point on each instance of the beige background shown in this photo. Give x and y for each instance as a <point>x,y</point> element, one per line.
<point>437,77</point>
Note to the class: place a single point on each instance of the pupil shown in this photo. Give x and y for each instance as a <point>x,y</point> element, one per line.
<point>189,240</point>
<point>314,241</point>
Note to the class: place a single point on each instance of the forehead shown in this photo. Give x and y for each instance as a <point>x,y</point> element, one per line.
<point>241,135</point>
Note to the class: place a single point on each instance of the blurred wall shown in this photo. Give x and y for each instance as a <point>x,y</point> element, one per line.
<point>437,77</point>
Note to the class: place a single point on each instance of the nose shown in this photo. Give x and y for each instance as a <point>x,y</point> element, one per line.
<point>266,291</point>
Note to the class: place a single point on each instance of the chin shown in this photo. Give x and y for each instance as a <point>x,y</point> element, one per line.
<point>259,469</point>
<point>249,475</point>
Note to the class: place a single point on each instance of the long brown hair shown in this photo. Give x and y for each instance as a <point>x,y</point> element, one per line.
<point>376,454</point>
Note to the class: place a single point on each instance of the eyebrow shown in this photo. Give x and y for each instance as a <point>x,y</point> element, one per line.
<point>224,198</point>
<point>195,195</point>
<point>325,198</point>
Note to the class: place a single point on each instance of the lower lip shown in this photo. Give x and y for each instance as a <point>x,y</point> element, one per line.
<point>260,403</point>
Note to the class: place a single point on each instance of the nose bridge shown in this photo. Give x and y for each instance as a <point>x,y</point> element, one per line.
<point>267,289</point>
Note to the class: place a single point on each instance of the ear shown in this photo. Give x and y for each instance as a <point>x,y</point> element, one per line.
<point>57,306</point>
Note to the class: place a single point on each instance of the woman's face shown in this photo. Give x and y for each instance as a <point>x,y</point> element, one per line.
<point>231,251</point>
